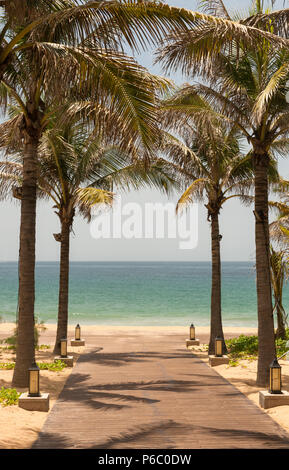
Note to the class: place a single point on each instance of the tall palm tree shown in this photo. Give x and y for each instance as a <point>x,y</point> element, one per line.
<point>133,95</point>
<point>47,46</point>
<point>78,172</point>
<point>77,169</point>
<point>214,168</point>
<point>248,87</point>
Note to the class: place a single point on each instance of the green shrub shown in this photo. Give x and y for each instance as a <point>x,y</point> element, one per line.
<point>53,366</point>
<point>233,362</point>
<point>243,345</point>
<point>9,396</point>
<point>281,346</point>
<point>246,347</point>
<point>7,365</point>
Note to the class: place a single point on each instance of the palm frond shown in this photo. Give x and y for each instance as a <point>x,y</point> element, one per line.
<point>215,8</point>
<point>194,192</point>
<point>273,86</point>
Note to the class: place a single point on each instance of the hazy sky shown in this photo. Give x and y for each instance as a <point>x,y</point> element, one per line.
<point>236,221</point>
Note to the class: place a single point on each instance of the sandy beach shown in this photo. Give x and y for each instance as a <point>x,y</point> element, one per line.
<point>19,428</point>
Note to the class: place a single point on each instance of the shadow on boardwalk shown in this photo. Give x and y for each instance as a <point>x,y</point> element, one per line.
<point>152,399</point>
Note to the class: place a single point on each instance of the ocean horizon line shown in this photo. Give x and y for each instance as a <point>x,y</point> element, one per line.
<point>134,261</point>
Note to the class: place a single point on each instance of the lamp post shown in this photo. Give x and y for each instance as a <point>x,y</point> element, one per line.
<point>275,383</point>
<point>77,341</point>
<point>192,332</point>
<point>34,387</point>
<point>63,348</point>
<point>274,396</point>
<point>218,347</point>
<point>77,333</point>
<point>33,400</point>
<point>68,360</point>
<point>192,341</point>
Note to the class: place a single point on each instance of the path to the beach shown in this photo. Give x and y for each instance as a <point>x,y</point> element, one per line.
<point>148,392</point>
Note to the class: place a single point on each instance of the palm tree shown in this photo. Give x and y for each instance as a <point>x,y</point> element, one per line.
<point>77,170</point>
<point>49,46</point>
<point>248,87</point>
<point>214,169</point>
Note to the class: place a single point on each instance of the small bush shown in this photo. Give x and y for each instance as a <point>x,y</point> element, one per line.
<point>9,396</point>
<point>53,366</point>
<point>7,365</point>
<point>243,345</point>
<point>246,347</point>
<point>233,362</point>
<point>43,346</point>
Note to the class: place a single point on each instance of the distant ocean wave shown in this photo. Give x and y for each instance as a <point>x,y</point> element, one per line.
<point>138,293</point>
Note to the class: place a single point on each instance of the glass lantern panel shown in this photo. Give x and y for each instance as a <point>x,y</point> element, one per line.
<point>33,382</point>
<point>63,349</point>
<point>219,348</point>
<point>276,379</point>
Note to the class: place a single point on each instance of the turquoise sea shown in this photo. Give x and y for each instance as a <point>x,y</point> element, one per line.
<point>138,293</point>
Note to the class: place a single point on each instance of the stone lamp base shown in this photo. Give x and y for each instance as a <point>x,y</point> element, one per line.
<point>192,342</point>
<point>216,361</point>
<point>40,403</point>
<point>269,400</point>
<point>67,360</point>
<point>77,342</point>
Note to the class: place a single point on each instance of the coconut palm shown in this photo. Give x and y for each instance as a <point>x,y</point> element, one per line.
<point>133,95</point>
<point>48,47</point>
<point>77,170</point>
<point>248,88</point>
<point>49,51</point>
<point>215,170</point>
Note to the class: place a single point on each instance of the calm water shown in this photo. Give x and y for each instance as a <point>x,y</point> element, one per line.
<point>140,293</point>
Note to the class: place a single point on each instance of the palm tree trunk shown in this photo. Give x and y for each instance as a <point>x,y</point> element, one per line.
<point>216,312</point>
<point>62,322</point>
<point>25,338</point>
<point>266,349</point>
<point>281,328</point>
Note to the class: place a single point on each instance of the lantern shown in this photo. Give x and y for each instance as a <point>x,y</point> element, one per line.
<point>192,332</point>
<point>275,377</point>
<point>63,347</point>
<point>218,347</point>
<point>34,389</point>
<point>77,333</point>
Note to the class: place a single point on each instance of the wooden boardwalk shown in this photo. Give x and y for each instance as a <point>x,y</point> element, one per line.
<point>150,393</point>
